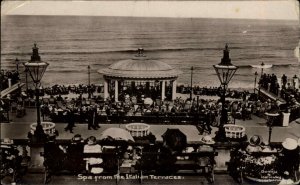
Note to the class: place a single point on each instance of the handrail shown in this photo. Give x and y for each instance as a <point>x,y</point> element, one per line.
<point>11,89</point>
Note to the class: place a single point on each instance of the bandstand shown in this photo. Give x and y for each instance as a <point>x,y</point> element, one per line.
<point>140,77</point>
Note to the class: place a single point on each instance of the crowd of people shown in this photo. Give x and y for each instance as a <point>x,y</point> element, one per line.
<point>288,92</point>
<point>75,89</point>
<point>95,111</point>
<point>257,160</point>
<point>93,157</point>
<point>270,83</point>
<point>213,91</point>
<point>14,161</point>
<point>8,74</point>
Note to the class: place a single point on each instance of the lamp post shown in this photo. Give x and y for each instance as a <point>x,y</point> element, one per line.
<point>26,80</point>
<point>191,92</point>
<point>225,71</point>
<point>17,64</point>
<point>270,122</point>
<point>89,81</point>
<point>36,69</point>
<point>262,65</point>
<point>255,74</point>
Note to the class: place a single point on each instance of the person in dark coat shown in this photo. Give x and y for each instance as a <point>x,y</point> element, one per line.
<point>74,150</point>
<point>96,118</point>
<point>284,81</point>
<point>54,157</point>
<point>71,121</point>
<point>289,156</point>
<point>91,118</point>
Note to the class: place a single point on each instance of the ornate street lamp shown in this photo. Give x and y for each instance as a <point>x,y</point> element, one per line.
<point>255,74</point>
<point>36,69</point>
<point>225,71</point>
<point>191,92</point>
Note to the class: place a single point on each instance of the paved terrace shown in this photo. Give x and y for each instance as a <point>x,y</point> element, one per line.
<point>19,127</point>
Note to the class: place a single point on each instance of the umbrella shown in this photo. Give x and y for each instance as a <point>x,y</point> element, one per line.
<point>262,66</point>
<point>116,134</point>
<point>175,139</point>
<point>148,101</point>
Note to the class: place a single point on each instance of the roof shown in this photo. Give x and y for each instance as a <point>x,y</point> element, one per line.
<point>140,67</point>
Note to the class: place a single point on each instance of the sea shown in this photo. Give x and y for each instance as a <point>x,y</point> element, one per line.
<point>71,43</point>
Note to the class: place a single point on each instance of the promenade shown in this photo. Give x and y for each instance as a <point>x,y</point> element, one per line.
<point>19,127</point>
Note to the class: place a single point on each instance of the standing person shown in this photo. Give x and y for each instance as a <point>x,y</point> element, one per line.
<point>75,154</point>
<point>70,120</point>
<point>54,158</point>
<point>284,81</point>
<point>91,118</point>
<point>96,118</point>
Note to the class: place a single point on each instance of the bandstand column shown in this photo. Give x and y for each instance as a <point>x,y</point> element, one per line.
<point>116,90</point>
<point>105,89</point>
<point>174,86</point>
<point>163,89</point>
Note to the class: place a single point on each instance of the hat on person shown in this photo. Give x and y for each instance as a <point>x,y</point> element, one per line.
<point>77,137</point>
<point>7,141</point>
<point>255,140</point>
<point>286,173</point>
<point>207,140</point>
<point>290,144</point>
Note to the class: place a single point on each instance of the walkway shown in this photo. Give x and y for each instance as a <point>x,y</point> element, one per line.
<point>19,127</point>
<point>271,95</point>
<point>11,89</point>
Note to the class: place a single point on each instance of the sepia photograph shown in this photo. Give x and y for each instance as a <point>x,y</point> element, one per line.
<point>170,92</point>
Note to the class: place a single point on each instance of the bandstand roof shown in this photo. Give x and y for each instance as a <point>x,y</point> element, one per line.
<point>140,67</point>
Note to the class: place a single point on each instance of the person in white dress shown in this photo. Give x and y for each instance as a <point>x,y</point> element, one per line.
<point>93,164</point>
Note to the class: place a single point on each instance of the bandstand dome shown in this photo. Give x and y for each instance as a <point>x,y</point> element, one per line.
<point>140,67</point>
<point>138,76</point>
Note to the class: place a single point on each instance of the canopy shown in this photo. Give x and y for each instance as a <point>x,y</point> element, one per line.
<point>140,67</point>
<point>116,134</point>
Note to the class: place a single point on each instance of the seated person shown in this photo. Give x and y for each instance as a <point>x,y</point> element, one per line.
<point>93,164</point>
<point>207,142</point>
<point>206,147</point>
<point>254,144</point>
<point>9,155</point>
<point>286,179</point>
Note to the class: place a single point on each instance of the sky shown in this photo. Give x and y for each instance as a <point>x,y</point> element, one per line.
<point>240,9</point>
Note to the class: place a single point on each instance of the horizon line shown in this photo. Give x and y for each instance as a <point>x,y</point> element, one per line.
<point>166,17</point>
